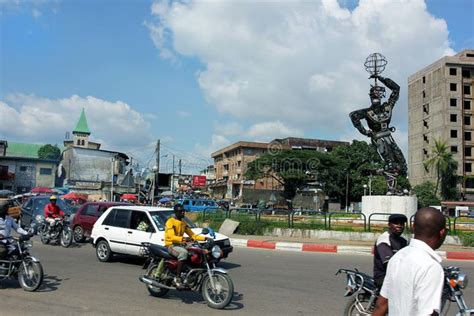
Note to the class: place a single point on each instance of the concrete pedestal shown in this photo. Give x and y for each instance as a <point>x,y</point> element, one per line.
<point>388,204</point>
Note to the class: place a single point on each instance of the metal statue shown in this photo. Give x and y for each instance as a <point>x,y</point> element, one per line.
<point>378,117</point>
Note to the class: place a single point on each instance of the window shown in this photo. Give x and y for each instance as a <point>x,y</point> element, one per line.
<point>239,163</point>
<point>426,108</point>
<point>425,124</point>
<point>453,118</point>
<point>90,210</point>
<point>454,149</point>
<point>467,120</point>
<point>424,79</point>
<point>469,183</point>
<point>453,102</point>
<point>468,167</point>
<point>140,221</point>
<point>467,89</point>
<point>467,104</point>
<point>186,202</point>
<point>468,151</point>
<point>425,152</point>
<point>117,218</point>
<point>453,87</point>
<point>467,136</point>
<point>23,168</point>
<point>454,133</point>
<point>46,171</point>
<point>453,71</point>
<point>226,167</point>
<point>466,73</point>
<point>425,139</point>
<point>424,94</point>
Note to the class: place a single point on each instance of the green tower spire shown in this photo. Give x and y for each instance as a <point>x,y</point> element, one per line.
<point>81,127</point>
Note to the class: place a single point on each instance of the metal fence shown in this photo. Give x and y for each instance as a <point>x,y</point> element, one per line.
<point>314,219</point>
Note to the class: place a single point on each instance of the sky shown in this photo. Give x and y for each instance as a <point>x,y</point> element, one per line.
<point>201,75</point>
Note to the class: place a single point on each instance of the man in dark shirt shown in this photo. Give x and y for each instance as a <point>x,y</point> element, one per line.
<point>387,245</point>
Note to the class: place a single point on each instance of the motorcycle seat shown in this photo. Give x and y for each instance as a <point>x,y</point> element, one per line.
<point>159,251</point>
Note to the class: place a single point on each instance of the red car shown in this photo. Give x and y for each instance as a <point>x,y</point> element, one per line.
<point>87,215</point>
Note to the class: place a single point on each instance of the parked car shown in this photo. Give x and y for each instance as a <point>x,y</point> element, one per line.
<point>199,205</point>
<point>14,207</point>
<point>116,231</point>
<point>87,215</point>
<point>35,206</point>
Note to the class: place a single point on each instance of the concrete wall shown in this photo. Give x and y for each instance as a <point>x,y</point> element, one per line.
<point>406,205</point>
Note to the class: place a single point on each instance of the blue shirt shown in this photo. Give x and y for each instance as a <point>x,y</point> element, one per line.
<point>6,226</point>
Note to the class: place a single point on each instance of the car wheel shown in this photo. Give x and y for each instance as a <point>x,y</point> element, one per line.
<point>103,252</point>
<point>78,234</point>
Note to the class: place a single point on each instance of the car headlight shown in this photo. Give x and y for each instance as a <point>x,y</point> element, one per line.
<point>216,252</point>
<point>462,280</point>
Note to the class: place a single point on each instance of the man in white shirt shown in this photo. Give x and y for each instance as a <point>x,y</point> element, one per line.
<point>414,281</point>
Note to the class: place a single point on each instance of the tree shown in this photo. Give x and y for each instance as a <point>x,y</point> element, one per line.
<point>450,180</point>
<point>50,152</point>
<point>439,161</point>
<point>425,192</point>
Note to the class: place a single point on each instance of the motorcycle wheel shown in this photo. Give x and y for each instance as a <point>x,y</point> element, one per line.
<point>78,234</point>
<point>352,304</point>
<point>66,237</point>
<point>30,275</point>
<point>44,238</point>
<point>220,296</point>
<point>157,291</point>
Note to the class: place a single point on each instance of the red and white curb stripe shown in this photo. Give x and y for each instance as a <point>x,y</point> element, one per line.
<point>355,250</point>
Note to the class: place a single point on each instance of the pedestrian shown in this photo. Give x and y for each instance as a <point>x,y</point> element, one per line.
<point>414,281</point>
<point>387,245</point>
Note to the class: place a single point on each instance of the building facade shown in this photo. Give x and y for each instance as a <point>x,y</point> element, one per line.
<point>440,106</point>
<point>230,164</point>
<point>21,169</point>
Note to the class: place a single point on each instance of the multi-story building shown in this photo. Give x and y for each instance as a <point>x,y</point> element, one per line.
<point>21,169</point>
<point>230,164</point>
<point>440,106</point>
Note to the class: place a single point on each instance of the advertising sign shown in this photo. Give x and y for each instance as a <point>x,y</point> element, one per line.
<point>199,181</point>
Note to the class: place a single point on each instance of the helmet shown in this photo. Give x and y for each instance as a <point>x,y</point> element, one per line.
<point>53,197</point>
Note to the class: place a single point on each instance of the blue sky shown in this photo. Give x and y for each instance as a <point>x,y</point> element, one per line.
<point>202,75</point>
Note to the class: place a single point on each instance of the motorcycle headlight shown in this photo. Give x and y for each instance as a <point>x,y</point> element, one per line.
<point>39,218</point>
<point>462,280</point>
<point>216,252</point>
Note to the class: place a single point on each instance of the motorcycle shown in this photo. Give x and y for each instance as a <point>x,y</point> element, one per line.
<point>60,232</point>
<point>363,292</point>
<point>22,266</point>
<point>200,272</point>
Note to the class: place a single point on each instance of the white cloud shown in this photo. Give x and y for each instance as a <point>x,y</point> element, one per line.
<point>183,113</point>
<point>228,129</point>
<point>268,131</point>
<point>217,142</point>
<point>299,63</point>
<point>31,118</point>
<point>31,6</point>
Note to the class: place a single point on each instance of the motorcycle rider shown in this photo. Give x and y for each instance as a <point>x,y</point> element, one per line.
<point>7,223</point>
<point>52,211</point>
<point>175,228</point>
<point>387,245</point>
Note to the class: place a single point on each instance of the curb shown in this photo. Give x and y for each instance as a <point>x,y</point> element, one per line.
<point>338,249</point>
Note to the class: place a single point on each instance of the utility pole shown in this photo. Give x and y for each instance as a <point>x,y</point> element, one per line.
<point>157,175</point>
<point>179,166</point>
<point>172,177</point>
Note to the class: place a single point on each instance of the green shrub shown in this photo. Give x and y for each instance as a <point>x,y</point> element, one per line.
<point>467,239</point>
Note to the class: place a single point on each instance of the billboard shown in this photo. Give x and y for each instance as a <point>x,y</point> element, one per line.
<point>199,181</point>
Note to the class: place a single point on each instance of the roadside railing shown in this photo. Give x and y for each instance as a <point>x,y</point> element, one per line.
<point>314,219</point>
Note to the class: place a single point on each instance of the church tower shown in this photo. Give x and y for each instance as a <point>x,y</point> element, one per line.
<point>81,135</point>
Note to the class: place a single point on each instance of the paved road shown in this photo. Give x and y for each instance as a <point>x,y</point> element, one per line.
<point>266,283</point>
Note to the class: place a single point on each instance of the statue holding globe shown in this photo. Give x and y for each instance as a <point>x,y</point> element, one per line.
<point>378,117</point>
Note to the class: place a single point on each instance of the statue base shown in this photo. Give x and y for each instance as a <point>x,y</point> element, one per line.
<point>388,204</point>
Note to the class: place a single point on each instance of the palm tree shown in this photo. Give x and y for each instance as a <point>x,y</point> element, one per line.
<point>439,160</point>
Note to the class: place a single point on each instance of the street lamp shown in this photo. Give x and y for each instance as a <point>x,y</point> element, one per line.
<point>155,170</point>
<point>365,189</point>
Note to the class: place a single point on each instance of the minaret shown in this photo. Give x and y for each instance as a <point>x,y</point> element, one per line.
<point>81,132</point>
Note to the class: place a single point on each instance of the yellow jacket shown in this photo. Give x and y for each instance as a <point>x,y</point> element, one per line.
<point>174,231</point>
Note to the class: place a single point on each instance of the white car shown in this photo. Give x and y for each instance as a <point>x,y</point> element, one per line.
<point>116,231</point>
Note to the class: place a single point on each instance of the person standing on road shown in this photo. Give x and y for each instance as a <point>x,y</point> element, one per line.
<point>387,245</point>
<point>415,278</point>
<point>175,228</point>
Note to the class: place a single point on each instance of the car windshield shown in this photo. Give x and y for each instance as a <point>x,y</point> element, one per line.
<point>160,218</point>
<point>39,205</point>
